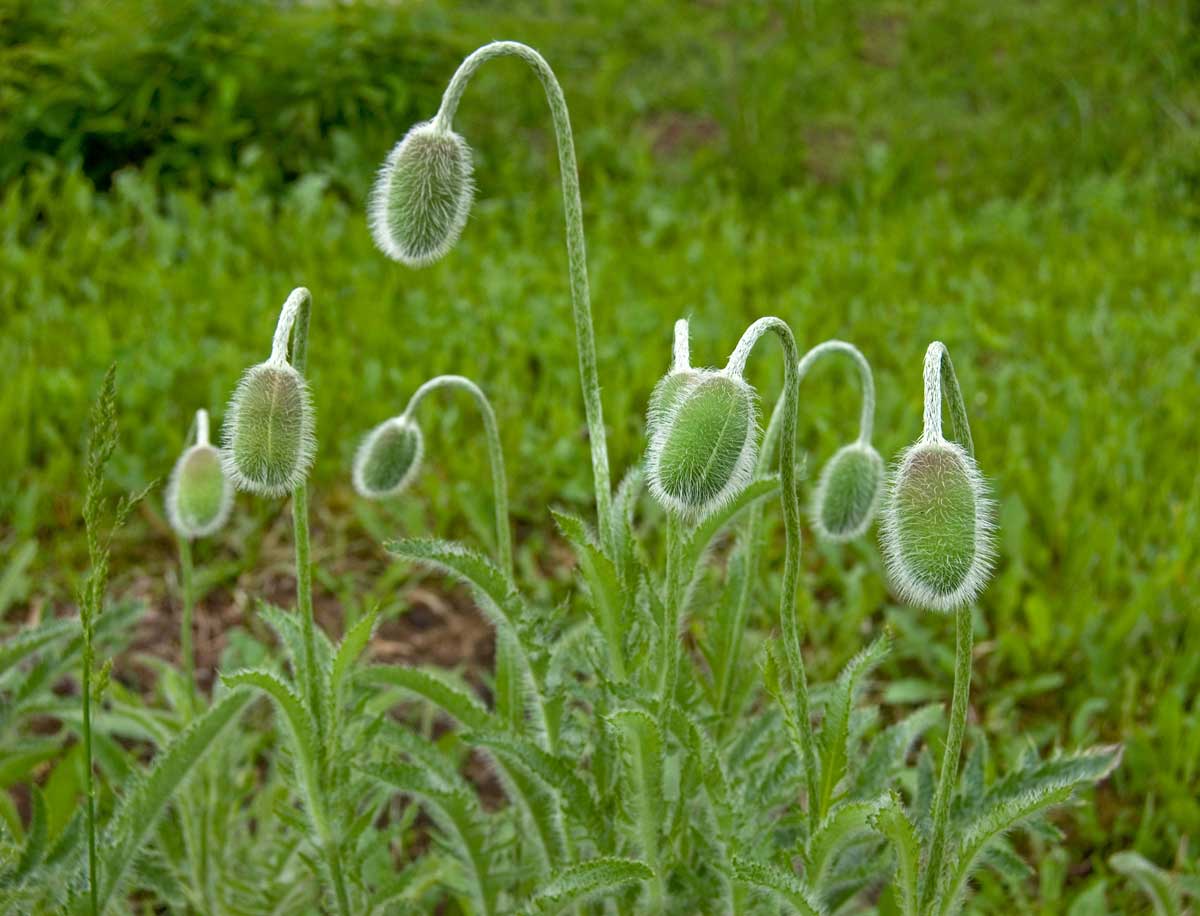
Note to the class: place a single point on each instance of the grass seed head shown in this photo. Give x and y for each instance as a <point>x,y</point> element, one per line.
<point>703,440</point>
<point>848,492</point>
<point>422,195</point>
<point>269,432</point>
<point>388,458</point>
<point>937,526</point>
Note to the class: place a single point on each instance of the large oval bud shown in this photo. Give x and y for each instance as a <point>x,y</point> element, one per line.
<point>703,440</point>
<point>422,196</point>
<point>388,458</point>
<point>269,432</point>
<point>937,527</point>
<point>199,495</point>
<point>848,492</point>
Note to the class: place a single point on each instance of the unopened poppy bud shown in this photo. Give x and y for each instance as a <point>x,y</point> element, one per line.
<point>199,494</point>
<point>388,458</point>
<point>847,493</point>
<point>422,196</point>
<point>703,442</point>
<point>937,527</point>
<point>269,435</point>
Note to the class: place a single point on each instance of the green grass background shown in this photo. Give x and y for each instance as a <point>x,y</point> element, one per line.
<point>1016,179</point>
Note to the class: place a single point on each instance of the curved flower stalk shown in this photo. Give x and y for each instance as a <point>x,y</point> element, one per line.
<point>199,499</point>
<point>422,198</point>
<point>847,497</point>
<point>389,458</point>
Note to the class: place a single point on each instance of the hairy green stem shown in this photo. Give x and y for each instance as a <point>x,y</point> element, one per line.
<point>942,389</point>
<point>576,249</point>
<point>188,595</point>
<point>491,430</point>
<point>949,774</point>
<point>300,304</point>
<point>790,500</point>
<point>750,540</point>
<point>295,317</point>
<point>669,659</point>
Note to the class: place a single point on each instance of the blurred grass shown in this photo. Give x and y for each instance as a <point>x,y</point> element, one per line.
<point>1018,180</point>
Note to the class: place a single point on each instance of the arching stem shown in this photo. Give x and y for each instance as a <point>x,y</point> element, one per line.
<point>749,541</point>
<point>491,431</point>
<point>576,249</point>
<point>789,498</point>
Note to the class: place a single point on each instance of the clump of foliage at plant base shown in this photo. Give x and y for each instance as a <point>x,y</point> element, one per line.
<point>1075,355</point>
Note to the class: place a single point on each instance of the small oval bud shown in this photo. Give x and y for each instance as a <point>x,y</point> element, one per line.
<point>388,458</point>
<point>704,439</point>
<point>199,495</point>
<point>847,493</point>
<point>422,196</point>
<point>937,527</point>
<point>269,438</point>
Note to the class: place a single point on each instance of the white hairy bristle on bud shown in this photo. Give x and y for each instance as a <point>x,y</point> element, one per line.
<point>422,196</point>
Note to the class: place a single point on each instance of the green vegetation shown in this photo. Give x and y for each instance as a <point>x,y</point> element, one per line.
<point>1017,180</point>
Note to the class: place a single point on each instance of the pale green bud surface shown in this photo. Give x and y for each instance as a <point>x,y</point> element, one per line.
<point>422,196</point>
<point>937,527</point>
<point>847,493</point>
<point>388,459</point>
<point>199,495</point>
<point>269,437</point>
<point>703,441</point>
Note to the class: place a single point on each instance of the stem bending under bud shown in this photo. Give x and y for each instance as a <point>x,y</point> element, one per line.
<point>576,248</point>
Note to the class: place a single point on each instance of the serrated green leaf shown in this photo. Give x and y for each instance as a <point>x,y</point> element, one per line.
<point>1014,801</point>
<point>844,824</point>
<point>436,687</point>
<point>22,645</point>
<point>457,813</point>
<point>608,597</point>
<point>140,810</point>
<point>835,744</point>
<point>893,823</point>
<point>783,886</point>
<point>587,879</point>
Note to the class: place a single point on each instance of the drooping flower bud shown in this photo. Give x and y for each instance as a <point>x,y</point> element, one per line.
<point>703,440</point>
<point>388,458</point>
<point>269,432</point>
<point>937,526</point>
<point>199,495</point>
<point>422,196</point>
<point>847,493</point>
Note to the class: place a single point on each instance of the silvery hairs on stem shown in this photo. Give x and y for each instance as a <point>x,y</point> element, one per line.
<point>937,527</point>
<point>848,491</point>
<point>199,494</point>
<point>703,431</point>
<point>269,436</point>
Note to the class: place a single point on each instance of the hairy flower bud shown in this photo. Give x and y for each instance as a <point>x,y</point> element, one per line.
<point>703,440</point>
<point>388,458</point>
<point>422,196</point>
<point>269,436</point>
<point>937,528</point>
<point>199,495</point>
<point>848,492</point>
